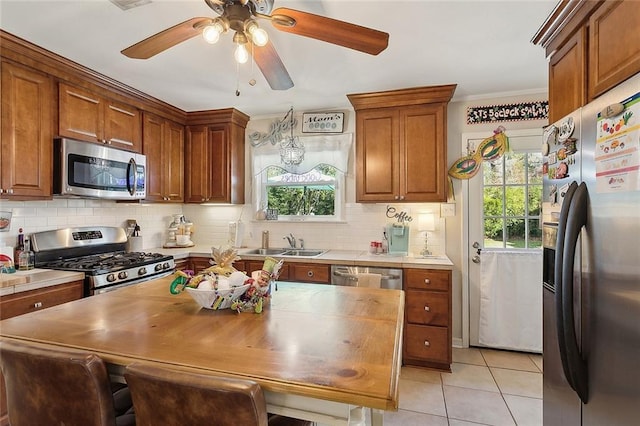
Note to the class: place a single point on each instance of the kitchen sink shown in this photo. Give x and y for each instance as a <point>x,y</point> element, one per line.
<point>267,252</point>
<point>287,252</point>
<point>303,252</point>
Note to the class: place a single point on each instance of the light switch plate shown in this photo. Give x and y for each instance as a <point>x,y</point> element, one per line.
<point>447,209</point>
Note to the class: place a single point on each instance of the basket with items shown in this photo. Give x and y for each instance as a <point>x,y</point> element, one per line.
<point>221,286</point>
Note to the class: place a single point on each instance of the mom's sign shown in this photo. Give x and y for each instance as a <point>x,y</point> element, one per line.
<point>323,122</point>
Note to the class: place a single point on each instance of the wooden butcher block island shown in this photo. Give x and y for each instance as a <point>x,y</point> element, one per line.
<point>318,351</point>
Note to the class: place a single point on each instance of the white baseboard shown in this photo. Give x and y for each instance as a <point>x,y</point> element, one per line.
<point>457,342</point>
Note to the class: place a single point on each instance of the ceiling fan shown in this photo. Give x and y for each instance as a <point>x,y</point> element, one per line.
<point>241,16</point>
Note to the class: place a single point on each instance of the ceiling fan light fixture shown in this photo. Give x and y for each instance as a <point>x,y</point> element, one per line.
<point>241,53</point>
<point>259,36</point>
<point>211,33</point>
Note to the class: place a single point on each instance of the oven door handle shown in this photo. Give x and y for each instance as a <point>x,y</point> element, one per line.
<point>132,181</point>
<point>106,289</point>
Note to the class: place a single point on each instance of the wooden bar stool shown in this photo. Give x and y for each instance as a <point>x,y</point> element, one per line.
<point>169,397</point>
<point>47,387</point>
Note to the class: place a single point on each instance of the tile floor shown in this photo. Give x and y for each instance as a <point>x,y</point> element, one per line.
<point>485,387</point>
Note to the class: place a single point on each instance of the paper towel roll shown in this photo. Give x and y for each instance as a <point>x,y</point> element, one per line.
<point>134,244</point>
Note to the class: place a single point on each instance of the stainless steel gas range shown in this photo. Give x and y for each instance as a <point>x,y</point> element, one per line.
<point>99,252</point>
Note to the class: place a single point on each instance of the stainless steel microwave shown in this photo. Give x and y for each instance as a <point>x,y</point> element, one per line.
<point>98,171</point>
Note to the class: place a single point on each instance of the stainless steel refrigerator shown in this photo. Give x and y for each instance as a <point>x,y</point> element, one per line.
<point>591,272</point>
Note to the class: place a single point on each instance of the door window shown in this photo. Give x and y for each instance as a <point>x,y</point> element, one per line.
<point>512,193</point>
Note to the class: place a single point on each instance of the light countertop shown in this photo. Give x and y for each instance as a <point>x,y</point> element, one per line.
<point>341,257</point>
<point>34,279</point>
<point>38,278</point>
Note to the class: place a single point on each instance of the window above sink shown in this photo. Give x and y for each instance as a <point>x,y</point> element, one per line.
<point>312,191</point>
<point>317,195</point>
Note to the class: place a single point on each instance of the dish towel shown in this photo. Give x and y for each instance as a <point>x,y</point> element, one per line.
<point>511,300</point>
<point>368,280</point>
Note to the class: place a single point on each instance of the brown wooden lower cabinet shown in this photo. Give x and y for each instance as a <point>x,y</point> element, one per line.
<point>31,301</point>
<point>427,343</point>
<point>428,322</point>
<point>309,272</point>
<point>248,266</point>
<point>198,264</point>
<point>35,300</point>
<point>291,271</point>
<point>181,264</point>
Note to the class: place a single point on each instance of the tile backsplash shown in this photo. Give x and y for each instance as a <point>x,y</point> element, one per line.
<point>363,223</point>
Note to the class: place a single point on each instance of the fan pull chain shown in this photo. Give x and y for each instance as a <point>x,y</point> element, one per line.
<point>237,79</point>
<point>252,81</point>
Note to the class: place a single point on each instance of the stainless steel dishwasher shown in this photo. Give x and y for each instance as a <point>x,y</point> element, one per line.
<point>348,276</point>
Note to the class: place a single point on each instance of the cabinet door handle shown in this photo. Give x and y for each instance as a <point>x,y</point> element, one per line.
<point>427,308</point>
<point>426,343</point>
<point>396,197</point>
<point>402,197</point>
<point>310,274</point>
<point>37,305</point>
<point>427,281</point>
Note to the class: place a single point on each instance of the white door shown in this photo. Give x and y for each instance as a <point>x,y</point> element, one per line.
<point>503,231</point>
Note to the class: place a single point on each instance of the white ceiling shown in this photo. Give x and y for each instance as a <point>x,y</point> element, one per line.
<point>482,46</point>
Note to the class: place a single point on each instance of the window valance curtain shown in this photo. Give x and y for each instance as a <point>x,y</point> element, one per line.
<point>319,149</point>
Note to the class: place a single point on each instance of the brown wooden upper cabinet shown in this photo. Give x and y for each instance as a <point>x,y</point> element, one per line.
<point>90,117</point>
<point>27,136</point>
<point>614,45</point>
<point>214,157</point>
<point>592,46</point>
<point>568,77</point>
<point>401,144</point>
<point>163,145</point>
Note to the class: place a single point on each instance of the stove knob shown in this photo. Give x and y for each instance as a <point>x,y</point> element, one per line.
<point>111,277</point>
<point>165,265</point>
<point>122,275</point>
<point>158,267</point>
<point>142,271</point>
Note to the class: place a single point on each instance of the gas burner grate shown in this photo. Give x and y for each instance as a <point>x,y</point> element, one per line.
<point>105,262</point>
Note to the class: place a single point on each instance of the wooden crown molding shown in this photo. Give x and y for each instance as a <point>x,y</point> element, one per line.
<point>403,97</point>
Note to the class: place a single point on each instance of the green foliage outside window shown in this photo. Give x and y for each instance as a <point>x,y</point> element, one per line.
<point>312,193</point>
<point>512,201</point>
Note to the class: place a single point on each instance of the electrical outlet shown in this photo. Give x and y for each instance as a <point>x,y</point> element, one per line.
<point>447,209</point>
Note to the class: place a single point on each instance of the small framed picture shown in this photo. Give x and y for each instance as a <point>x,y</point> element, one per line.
<point>553,159</point>
<point>5,221</point>
<point>323,122</point>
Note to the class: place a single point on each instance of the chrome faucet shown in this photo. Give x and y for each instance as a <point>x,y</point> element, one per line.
<point>291,240</point>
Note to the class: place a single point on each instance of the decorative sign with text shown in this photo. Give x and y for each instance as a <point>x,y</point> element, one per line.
<point>323,122</point>
<point>399,216</point>
<point>538,110</point>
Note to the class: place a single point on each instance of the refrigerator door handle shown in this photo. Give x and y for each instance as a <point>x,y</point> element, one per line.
<point>577,366</point>
<point>558,261</point>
